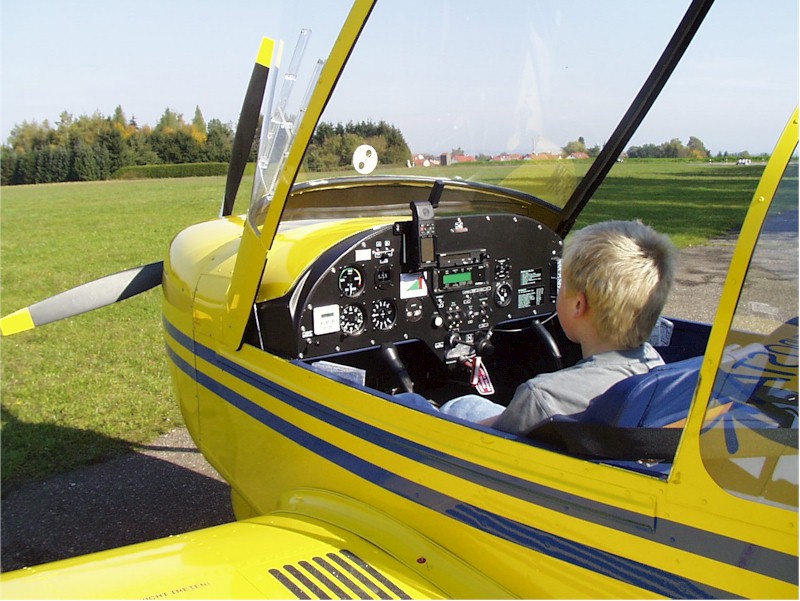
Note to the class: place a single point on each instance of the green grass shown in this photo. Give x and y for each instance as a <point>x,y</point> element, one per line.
<point>86,389</point>
<point>691,202</point>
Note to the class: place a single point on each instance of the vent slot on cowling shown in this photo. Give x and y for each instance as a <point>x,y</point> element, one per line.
<point>342,575</point>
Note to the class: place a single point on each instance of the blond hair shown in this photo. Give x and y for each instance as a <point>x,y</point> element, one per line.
<point>625,269</point>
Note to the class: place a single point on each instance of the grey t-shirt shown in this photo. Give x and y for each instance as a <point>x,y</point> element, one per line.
<point>569,391</point>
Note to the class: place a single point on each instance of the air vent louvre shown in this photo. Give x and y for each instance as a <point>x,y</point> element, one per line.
<point>342,575</point>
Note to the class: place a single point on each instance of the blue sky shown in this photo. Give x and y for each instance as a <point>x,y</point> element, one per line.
<point>146,55</point>
<point>84,56</point>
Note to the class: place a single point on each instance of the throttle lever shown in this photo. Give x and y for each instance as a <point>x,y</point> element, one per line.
<point>389,352</point>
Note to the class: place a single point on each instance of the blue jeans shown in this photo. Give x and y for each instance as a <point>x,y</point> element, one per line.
<point>417,401</point>
<point>471,407</point>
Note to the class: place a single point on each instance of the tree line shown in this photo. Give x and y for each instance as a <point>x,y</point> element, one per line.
<point>93,147</point>
<point>89,148</point>
<point>332,145</point>
<point>674,149</point>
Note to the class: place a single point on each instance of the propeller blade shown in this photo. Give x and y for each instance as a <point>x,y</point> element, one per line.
<point>248,123</point>
<point>92,295</point>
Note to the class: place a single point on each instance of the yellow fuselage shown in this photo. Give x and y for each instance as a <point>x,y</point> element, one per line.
<point>541,523</point>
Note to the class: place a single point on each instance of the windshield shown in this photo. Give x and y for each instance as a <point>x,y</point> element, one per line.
<point>492,94</point>
<point>525,95</point>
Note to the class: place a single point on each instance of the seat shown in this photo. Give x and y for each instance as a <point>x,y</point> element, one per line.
<point>656,399</point>
<point>632,419</point>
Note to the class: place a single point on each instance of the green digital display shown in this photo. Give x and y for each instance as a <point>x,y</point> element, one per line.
<point>456,278</point>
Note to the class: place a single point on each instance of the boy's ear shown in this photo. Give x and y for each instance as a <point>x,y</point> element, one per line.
<point>581,305</point>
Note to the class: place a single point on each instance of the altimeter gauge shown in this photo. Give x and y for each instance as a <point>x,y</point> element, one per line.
<point>384,314</point>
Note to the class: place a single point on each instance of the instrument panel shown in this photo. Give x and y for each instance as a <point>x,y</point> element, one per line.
<point>446,281</point>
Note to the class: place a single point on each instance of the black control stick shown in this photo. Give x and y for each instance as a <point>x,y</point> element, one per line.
<point>389,352</point>
<point>547,339</point>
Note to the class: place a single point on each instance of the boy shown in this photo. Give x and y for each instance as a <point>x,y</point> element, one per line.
<point>616,276</point>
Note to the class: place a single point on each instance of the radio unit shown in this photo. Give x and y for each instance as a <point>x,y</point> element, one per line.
<point>456,278</point>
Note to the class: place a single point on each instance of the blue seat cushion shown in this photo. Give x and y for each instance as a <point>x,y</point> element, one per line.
<point>654,399</point>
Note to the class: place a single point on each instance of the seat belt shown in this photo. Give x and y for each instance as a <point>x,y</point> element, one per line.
<point>603,441</point>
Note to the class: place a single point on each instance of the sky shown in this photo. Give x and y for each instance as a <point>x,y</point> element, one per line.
<point>88,56</point>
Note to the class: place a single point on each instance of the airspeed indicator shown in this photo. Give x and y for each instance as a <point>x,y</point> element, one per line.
<point>351,281</point>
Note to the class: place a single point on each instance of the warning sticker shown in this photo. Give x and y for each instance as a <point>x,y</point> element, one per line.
<point>528,277</point>
<point>530,297</point>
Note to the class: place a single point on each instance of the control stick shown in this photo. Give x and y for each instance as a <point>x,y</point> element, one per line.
<point>547,339</point>
<point>389,352</point>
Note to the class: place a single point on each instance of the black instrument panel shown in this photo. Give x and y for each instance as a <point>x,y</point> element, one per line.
<point>373,288</point>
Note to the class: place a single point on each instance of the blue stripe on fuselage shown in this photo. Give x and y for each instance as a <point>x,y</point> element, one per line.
<point>611,565</point>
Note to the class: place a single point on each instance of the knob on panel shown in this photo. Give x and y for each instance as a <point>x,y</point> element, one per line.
<point>502,294</point>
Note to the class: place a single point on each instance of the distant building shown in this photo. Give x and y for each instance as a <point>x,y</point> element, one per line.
<point>505,156</point>
<point>420,160</point>
<point>449,158</point>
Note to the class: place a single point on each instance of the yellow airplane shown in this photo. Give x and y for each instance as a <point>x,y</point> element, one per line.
<point>290,331</point>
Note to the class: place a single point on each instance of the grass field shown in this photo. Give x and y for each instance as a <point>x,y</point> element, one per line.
<point>92,387</point>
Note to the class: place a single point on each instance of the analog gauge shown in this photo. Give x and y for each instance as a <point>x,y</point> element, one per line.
<point>351,320</point>
<point>502,294</point>
<point>351,281</point>
<point>384,314</point>
<point>383,276</point>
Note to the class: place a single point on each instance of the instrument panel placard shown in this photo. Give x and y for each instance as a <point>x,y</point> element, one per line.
<point>413,285</point>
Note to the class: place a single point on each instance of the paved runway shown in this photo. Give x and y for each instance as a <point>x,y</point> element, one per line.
<point>165,488</point>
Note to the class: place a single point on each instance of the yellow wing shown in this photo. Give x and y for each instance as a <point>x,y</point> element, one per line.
<point>280,556</point>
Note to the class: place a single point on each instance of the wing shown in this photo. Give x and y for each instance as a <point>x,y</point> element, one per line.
<point>280,556</point>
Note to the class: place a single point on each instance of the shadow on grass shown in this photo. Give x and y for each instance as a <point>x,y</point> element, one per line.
<point>132,498</point>
<point>32,451</point>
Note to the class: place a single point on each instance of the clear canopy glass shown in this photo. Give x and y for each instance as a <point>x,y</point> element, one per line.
<point>523,94</point>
